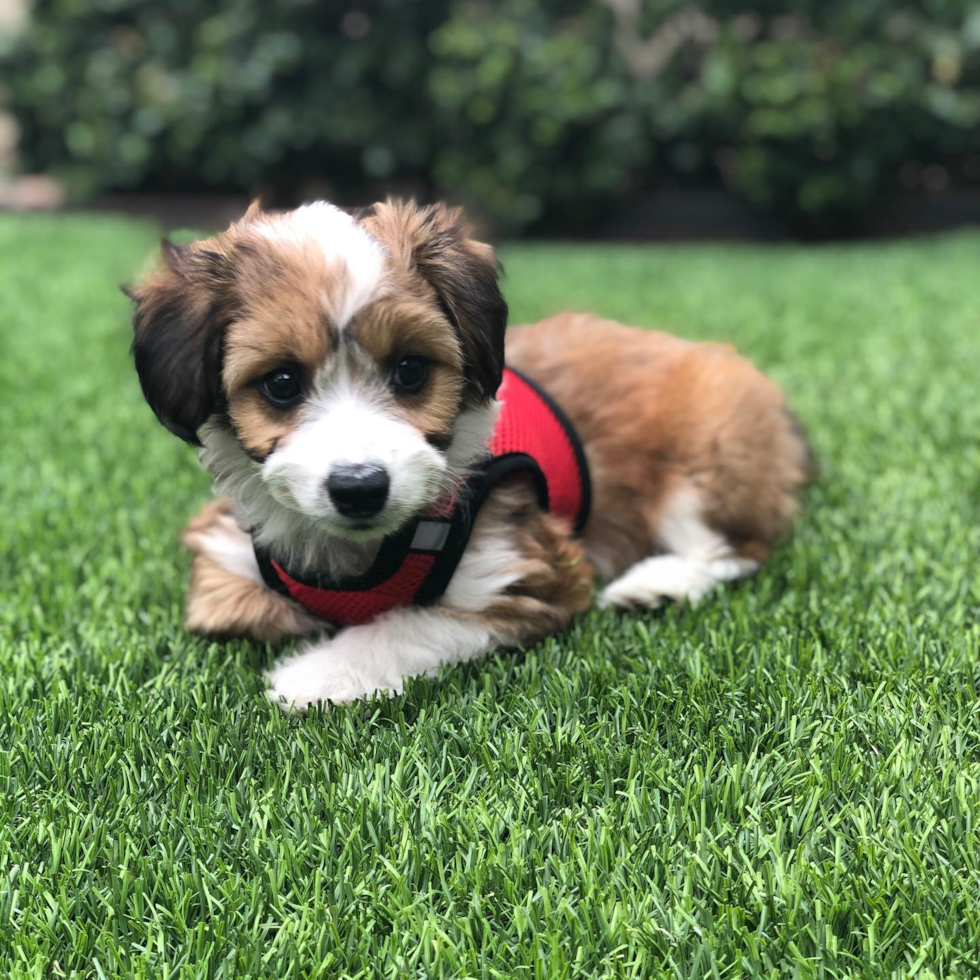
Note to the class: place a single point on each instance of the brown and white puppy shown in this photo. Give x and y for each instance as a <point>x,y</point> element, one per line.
<point>293,344</point>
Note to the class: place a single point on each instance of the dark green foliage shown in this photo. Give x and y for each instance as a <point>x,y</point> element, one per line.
<point>534,112</point>
<point>782,782</point>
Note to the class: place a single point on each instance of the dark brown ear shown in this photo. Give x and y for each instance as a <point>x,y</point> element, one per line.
<point>462,272</point>
<point>178,330</point>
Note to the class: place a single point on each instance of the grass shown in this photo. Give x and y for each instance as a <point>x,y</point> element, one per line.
<point>782,782</point>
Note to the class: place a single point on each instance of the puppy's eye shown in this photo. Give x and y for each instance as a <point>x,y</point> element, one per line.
<point>410,374</point>
<point>283,388</point>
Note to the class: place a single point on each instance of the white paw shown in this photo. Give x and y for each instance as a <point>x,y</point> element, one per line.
<point>226,544</point>
<point>313,677</point>
<point>620,596</point>
<point>650,582</point>
<point>669,577</point>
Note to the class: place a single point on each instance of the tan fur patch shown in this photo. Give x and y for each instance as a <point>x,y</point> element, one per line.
<point>434,409</point>
<point>403,326</point>
<point>282,321</point>
<point>555,578</point>
<point>282,313</point>
<point>221,603</point>
<point>261,428</point>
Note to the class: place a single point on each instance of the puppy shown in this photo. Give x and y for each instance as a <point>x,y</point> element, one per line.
<point>341,375</point>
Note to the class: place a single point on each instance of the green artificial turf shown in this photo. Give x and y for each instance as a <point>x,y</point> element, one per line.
<point>782,782</point>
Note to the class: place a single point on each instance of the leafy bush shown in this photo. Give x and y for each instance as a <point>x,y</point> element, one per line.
<point>527,110</point>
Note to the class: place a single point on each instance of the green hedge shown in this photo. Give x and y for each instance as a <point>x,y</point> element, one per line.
<point>532,111</point>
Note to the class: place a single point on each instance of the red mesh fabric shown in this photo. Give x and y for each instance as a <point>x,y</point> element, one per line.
<point>527,425</point>
<point>350,608</point>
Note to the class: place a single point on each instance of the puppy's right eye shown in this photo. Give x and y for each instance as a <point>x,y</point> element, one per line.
<point>283,388</point>
<point>410,374</point>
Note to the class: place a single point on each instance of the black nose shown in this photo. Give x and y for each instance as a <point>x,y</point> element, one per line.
<point>360,490</point>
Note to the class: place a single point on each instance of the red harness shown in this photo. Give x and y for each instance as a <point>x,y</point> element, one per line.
<point>415,565</point>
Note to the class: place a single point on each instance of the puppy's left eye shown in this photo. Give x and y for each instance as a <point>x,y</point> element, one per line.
<point>283,388</point>
<point>410,374</point>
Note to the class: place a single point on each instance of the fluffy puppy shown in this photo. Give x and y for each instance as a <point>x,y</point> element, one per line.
<point>295,347</point>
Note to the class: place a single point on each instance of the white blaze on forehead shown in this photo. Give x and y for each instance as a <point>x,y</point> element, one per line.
<point>345,244</point>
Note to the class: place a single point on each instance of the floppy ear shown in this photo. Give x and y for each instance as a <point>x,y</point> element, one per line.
<point>462,272</point>
<point>178,330</point>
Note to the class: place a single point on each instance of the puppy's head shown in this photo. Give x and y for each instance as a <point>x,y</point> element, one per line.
<point>339,369</point>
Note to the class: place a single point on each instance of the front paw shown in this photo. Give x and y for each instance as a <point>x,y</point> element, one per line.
<point>316,676</point>
<point>215,522</point>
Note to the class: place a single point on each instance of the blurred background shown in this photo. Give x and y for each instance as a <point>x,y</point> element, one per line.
<point>588,118</point>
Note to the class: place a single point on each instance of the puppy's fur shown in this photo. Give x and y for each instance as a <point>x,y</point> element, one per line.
<point>696,464</point>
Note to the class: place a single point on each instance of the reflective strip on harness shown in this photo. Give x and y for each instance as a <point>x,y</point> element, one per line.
<point>430,536</point>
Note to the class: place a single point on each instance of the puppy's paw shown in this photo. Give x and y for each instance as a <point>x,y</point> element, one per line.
<point>316,676</point>
<point>214,522</point>
<point>648,584</point>
<point>624,596</point>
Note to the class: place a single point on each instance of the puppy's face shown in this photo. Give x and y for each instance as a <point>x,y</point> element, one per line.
<point>334,368</point>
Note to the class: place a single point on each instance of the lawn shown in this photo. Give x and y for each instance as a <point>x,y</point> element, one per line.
<point>784,781</point>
